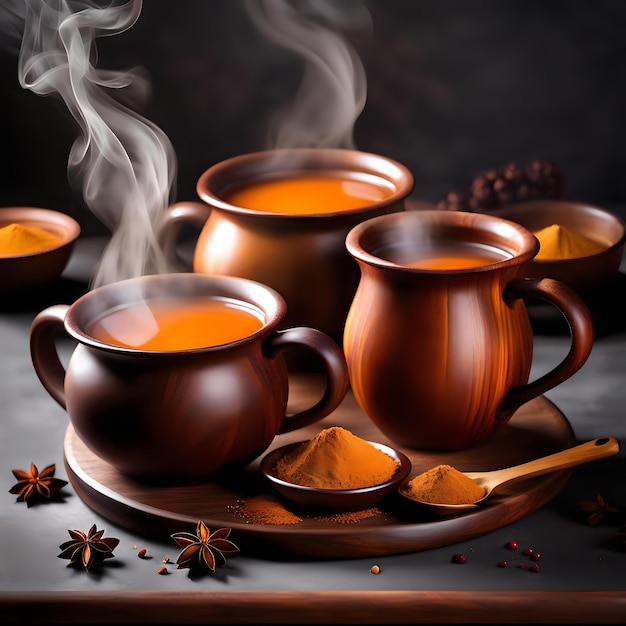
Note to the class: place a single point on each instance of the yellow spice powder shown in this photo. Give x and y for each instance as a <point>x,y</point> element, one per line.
<point>20,239</point>
<point>559,242</point>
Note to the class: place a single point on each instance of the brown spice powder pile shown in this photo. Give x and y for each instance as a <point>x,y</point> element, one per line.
<point>444,484</point>
<point>336,459</point>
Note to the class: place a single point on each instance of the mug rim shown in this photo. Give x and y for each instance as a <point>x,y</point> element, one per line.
<point>101,299</point>
<point>311,159</point>
<point>494,225</point>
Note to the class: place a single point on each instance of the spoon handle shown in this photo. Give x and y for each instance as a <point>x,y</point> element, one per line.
<point>589,451</point>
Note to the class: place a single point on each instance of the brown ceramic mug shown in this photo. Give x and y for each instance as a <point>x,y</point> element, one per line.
<point>196,405</point>
<point>293,239</point>
<point>438,340</point>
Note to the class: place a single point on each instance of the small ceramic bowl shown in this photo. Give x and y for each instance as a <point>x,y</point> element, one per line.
<point>24,271</point>
<point>336,500</point>
<point>586,273</point>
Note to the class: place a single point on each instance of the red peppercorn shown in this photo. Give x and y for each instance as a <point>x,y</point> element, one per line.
<point>459,558</point>
<point>534,567</point>
<point>502,564</point>
<point>527,551</point>
<point>512,545</point>
<point>535,556</point>
<point>521,566</point>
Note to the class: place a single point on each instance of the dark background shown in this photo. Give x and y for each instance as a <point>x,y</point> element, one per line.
<point>454,87</point>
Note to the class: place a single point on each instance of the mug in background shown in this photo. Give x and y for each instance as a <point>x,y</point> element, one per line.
<point>281,217</point>
<point>147,395</point>
<point>438,340</point>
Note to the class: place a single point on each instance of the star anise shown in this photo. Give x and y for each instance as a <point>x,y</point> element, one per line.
<point>87,548</point>
<point>597,509</point>
<point>205,548</point>
<point>35,483</point>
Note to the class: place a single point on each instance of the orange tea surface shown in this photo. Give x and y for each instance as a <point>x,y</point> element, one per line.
<point>455,257</point>
<point>308,194</point>
<point>176,324</point>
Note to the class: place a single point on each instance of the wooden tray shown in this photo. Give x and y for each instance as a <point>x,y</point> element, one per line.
<point>537,429</point>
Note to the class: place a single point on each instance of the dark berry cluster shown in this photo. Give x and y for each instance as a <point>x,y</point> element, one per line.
<point>496,188</point>
<point>529,552</point>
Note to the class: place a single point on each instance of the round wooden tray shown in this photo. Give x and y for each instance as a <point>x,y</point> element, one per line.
<point>537,429</point>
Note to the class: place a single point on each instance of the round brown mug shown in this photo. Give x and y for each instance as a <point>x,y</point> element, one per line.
<point>438,341</point>
<point>296,242</point>
<point>177,414</point>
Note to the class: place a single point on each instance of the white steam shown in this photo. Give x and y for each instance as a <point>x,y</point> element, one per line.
<point>333,89</point>
<point>124,163</point>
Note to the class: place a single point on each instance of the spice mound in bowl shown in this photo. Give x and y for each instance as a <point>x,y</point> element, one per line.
<point>581,244</point>
<point>35,246</point>
<point>336,470</point>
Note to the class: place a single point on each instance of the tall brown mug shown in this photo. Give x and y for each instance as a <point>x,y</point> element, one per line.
<point>438,341</point>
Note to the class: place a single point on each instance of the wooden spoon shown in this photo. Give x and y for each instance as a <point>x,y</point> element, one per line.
<point>494,480</point>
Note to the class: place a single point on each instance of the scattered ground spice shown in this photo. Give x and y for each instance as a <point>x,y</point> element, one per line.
<point>264,509</point>
<point>350,517</point>
<point>336,459</point>
<point>267,509</point>
<point>444,484</point>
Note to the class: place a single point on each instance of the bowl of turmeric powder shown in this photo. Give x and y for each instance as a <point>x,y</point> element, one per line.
<point>335,471</point>
<point>581,244</point>
<point>35,246</point>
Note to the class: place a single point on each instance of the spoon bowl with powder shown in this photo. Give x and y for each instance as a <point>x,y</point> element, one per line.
<point>445,490</point>
<point>335,471</point>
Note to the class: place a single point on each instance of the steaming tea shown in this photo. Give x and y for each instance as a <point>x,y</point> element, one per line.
<point>176,324</point>
<point>322,193</point>
<point>458,256</point>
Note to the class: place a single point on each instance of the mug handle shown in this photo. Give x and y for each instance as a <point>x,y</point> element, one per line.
<point>43,350</point>
<point>577,314</point>
<point>334,364</point>
<point>177,214</point>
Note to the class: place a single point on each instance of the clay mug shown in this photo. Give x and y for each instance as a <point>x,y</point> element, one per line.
<point>438,339</point>
<point>179,414</point>
<point>288,229</point>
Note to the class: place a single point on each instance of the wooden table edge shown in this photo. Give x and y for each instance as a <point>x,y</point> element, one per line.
<point>321,607</point>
